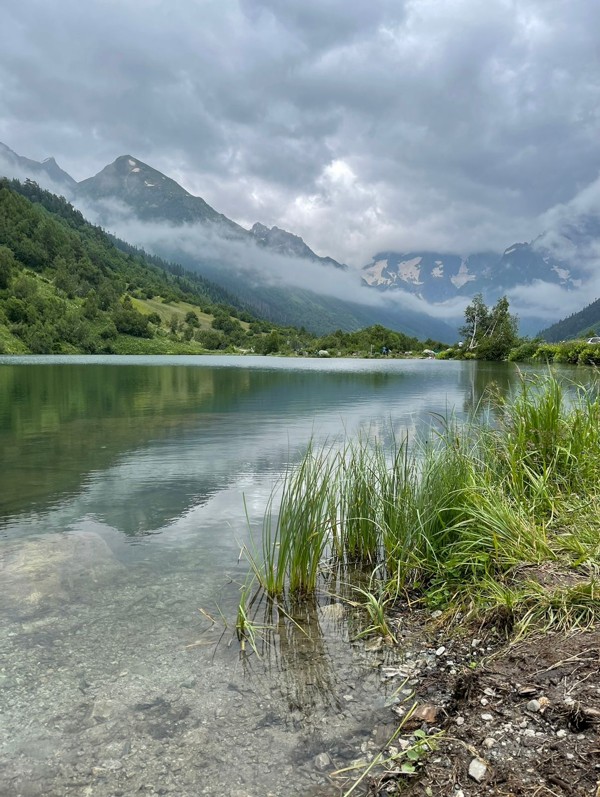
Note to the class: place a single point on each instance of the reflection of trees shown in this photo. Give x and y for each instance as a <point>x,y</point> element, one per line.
<point>481,381</point>
<point>60,422</point>
<point>296,646</point>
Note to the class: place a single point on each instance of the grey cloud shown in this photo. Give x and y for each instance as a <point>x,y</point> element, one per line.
<point>361,126</point>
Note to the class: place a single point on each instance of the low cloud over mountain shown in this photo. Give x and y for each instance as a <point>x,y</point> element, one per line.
<point>544,279</point>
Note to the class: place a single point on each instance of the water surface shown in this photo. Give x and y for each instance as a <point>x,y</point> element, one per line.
<point>128,485</point>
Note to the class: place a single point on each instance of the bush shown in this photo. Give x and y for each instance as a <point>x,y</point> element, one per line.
<point>525,351</point>
<point>131,322</point>
<point>448,354</point>
<point>211,339</point>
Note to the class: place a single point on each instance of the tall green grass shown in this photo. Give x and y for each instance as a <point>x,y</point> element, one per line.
<point>294,537</point>
<point>455,516</point>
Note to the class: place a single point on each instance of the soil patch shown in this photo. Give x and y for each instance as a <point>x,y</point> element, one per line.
<point>504,719</point>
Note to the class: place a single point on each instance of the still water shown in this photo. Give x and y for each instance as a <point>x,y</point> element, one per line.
<point>128,486</point>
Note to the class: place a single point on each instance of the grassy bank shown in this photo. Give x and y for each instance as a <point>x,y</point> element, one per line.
<point>496,521</point>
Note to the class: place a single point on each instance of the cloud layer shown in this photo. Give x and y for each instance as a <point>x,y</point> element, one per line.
<point>361,126</point>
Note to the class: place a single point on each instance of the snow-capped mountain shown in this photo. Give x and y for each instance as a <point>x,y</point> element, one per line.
<point>437,277</point>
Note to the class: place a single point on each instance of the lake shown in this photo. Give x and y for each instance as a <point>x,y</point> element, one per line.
<point>129,486</point>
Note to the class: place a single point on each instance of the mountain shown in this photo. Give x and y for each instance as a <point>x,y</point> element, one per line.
<point>152,196</point>
<point>46,172</point>
<point>224,252</point>
<point>290,245</point>
<point>437,277</point>
<point>230,255</point>
<point>130,186</point>
<point>433,276</point>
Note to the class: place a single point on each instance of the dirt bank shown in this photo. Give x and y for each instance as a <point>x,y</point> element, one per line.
<point>505,719</point>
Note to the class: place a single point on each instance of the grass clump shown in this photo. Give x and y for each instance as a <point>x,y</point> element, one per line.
<point>458,519</point>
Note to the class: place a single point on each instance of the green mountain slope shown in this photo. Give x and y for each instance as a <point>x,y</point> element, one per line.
<point>67,286</point>
<point>576,325</point>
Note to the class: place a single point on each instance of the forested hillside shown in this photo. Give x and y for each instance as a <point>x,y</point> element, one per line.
<point>67,286</point>
<point>578,325</point>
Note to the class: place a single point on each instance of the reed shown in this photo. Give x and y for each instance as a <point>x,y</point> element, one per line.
<point>360,471</point>
<point>455,515</point>
<point>295,537</point>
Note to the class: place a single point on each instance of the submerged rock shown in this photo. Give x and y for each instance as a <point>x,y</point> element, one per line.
<point>43,572</point>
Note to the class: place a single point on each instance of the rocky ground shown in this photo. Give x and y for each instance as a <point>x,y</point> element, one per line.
<point>502,719</point>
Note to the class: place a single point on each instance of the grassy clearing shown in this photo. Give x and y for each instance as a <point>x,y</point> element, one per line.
<point>10,344</point>
<point>126,344</point>
<point>498,522</point>
<point>167,311</point>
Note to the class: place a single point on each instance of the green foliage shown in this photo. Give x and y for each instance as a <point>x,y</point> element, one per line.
<point>131,322</point>
<point>578,325</point>
<point>369,341</point>
<point>572,352</point>
<point>211,339</point>
<point>58,266</point>
<point>526,350</point>
<point>8,265</point>
<point>270,344</point>
<point>489,333</point>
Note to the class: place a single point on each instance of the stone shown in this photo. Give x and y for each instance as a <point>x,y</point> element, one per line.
<point>487,717</point>
<point>426,713</point>
<point>489,742</point>
<point>460,720</point>
<point>534,706</point>
<point>440,651</point>
<point>102,710</point>
<point>322,762</point>
<point>561,733</point>
<point>333,611</point>
<point>477,769</point>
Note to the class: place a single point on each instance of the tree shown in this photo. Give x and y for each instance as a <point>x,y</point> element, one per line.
<point>490,334</point>
<point>7,266</point>
<point>129,321</point>
<point>192,319</point>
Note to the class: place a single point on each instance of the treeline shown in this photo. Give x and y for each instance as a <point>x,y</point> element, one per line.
<point>570,352</point>
<point>491,334</point>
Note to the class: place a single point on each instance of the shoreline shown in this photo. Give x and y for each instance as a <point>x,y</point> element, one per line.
<point>504,718</point>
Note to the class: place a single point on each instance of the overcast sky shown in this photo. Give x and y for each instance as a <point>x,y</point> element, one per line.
<point>362,125</point>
